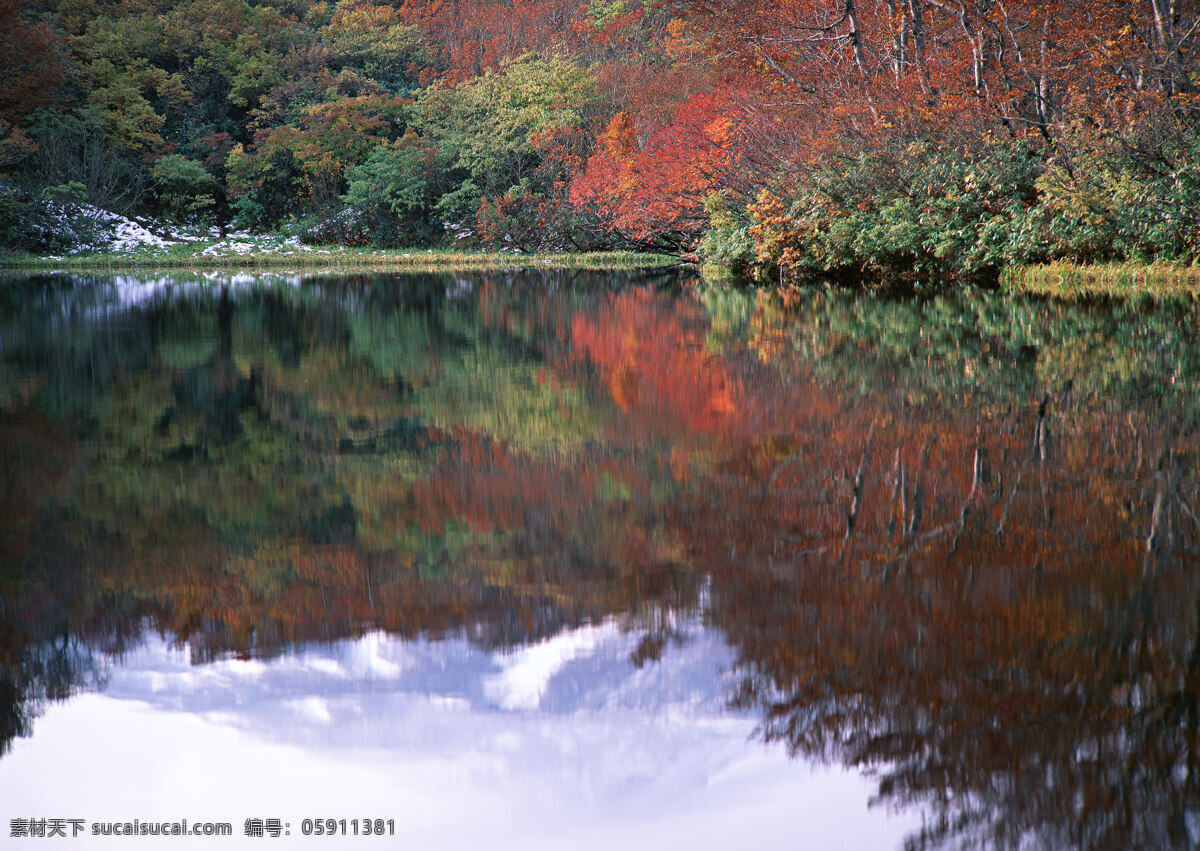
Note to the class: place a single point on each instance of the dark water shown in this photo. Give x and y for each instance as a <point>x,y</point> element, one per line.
<point>576,560</point>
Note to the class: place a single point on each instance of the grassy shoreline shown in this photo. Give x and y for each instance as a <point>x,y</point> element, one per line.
<point>1069,281</point>
<point>273,255</point>
<point>270,253</point>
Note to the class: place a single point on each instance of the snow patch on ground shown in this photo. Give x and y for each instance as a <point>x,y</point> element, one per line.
<point>243,243</point>
<point>92,228</point>
<point>108,231</point>
<point>129,234</point>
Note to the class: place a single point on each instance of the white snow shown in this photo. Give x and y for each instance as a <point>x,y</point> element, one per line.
<point>108,230</point>
<point>128,234</point>
<point>96,229</point>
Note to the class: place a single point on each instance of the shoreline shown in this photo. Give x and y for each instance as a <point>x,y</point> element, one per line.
<point>338,260</point>
<point>1061,280</point>
<point>1071,282</point>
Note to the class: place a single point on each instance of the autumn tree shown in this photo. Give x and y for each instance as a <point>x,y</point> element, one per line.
<point>507,140</point>
<point>651,186</point>
<point>32,67</point>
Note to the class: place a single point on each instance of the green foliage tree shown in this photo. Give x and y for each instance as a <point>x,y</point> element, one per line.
<point>373,41</point>
<point>301,167</point>
<point>185,188</point>
<point>393,192</point>
<point>488,130</point>
<point>120,105</point>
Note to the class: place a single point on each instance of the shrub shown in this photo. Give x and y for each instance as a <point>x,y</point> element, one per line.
<point>185,189</point>
<point>727,240</point>
<point>964,207</point>
<point>919,208</point>
<point>393,192</point>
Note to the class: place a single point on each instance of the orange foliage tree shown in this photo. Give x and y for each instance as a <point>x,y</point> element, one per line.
<point>649,183</point>
<point>870,65</point>
<point>469,36</point>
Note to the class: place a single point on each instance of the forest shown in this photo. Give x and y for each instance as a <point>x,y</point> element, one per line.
<point>941,139</point>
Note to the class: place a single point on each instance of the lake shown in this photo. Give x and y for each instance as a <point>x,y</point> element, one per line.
<point>583,560</point>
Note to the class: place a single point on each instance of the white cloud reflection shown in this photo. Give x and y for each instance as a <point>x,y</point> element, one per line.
<point>562,744</point>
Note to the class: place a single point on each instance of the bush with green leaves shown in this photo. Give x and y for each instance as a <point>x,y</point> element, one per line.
<point>507,134</point>
<point>963,207</point>
<point>19,211</point>
<point>392,192</point>
<point>185,189</point>
<point>917,208</point>
<point>1106,197</point>
<point>727,242</point>
<point>52,219</point>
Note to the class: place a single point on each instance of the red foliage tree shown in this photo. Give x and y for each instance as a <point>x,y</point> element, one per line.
<point>649,183</point>
<point>32,64</point>
<point>468,36</point>
<point>861,66</point>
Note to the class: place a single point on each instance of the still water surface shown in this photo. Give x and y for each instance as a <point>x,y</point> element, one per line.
<point>583,560</point>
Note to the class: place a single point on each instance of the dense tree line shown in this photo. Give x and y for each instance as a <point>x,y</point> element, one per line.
<point>938,137</point>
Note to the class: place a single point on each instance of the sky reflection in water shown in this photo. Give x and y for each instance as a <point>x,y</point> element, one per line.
<point>561,744</point>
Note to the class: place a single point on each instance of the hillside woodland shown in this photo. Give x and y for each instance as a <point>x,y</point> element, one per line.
<point>933,138</point>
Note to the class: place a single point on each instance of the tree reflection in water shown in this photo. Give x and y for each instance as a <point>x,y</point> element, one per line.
<point>951,541</point>
<point>994,605</point>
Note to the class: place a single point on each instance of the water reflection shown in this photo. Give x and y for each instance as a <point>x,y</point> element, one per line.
<point>950,542</point>
<point>561,744</point>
